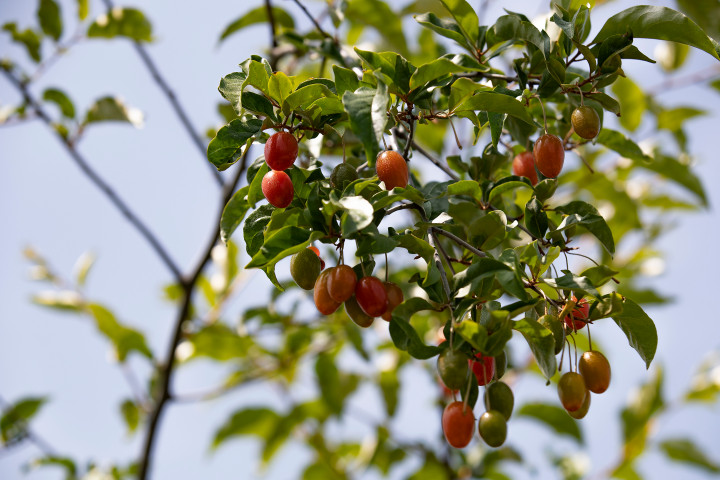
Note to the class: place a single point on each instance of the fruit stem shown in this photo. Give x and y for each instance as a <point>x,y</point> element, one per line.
<point>457,140</point>
<point>589,338</point>
<point>542,105</point>
<point>467,392</point>
<point>582,103</point>
<point>387,267</point>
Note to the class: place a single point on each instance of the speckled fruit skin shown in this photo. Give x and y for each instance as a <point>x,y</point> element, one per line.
<point>572,391</point>
<point>281,150</point>
<point>483,368</point>
<point>595,369</point>
<point>341,283</point>
<point>395,298</point>
<point>371,296</point>
<point>392,169</point>
<point>323,302</point>
<point>523,165</point>
<point>577,319</point>
<point>458,422</point>
<point>278,188</point>
<point>549,155</point>
<point>585,122</point>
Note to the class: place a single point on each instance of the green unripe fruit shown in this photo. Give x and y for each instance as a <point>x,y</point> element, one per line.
<point>499,397</point>
<point>595,369</point>
<point>500,365</point>
<point>356,314</point>
<point>493,428</point>
<point>585,122</point>
<point>572,391</point>
<point>305,268</point>
<point>343,175</point>
<point>582,411</point>
<point>552,323</point>
<point>453,369</point>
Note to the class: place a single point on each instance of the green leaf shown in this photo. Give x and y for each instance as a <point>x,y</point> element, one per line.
<point>512,28</point>
<point>573,282</point>
<point>536,220</point>
<point>685,451</point>
<point>619,143</point>
<point>254,227</point>
<point>379,15</point>
<point>542,344</point>
<point>227,146</point>
<point>678,172</point>
<point>258,15</point>
<point>633,102</point>
<point>231,87</point>
<point>554,417</point>
<point>131,414</point>
<point>431,71</point>
<point>113,109</point>
<point>497,103</point>
<point>660,23</point>
<point>357,214</point>
<point>66,463</point>
<point>59,98</point>
<point>122,22</point>
<point>28,38</point>
<point>50,19</point>
<point>390,388</point>
<point>599,275</point>
<point>367,109</point>
<point>639,329</point>
<point>674,118</point>
<point>218,342</point>
<point>233,213</point>
<point>328,378</point>
<point>466,19</point>
<point>489,268</point>
<point>445,27</point>
<point>404,336</point>
<point>345,80</point>
<point>282,243</point>
<point>83,9</point>
<point>14,420</point>
<point>124,339</point>
<point>646,402</point>
<point>251,421</point>
<point>587,216</point>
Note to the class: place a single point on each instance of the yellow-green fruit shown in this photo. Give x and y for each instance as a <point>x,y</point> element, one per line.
<point>572,391</point>
<point>499,397</point>
<point>343,175</point>
<point>493,428</point>
<point>356,314</point>
<point>585,122</point>
<point>582,411</point>
<point>305,268</point>
<point>595,369</point>
<point>453,368</point>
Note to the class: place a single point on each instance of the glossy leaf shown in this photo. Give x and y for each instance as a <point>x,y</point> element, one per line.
<point>497,103</point>
<point>227,146</point>
<point>542,344</point>
<point>234,213</point>
<point>366,109</point>
<point>587,216</point>
<point>639,329</point>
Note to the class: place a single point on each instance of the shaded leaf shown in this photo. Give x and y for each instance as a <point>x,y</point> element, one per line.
<point>554,417</point>
<point>639,329</point>
<point>122,22</point>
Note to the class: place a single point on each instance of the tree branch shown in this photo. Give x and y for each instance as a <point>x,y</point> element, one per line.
<point>271,21</point>
<point>98,181</point>
<point>313,20</point>
<point>460,241</point>
<point>429,156</point>
<point>168,367</point>
<point>172,98</point>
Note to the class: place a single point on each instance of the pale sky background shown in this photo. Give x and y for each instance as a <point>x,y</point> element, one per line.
<point>46,202</point>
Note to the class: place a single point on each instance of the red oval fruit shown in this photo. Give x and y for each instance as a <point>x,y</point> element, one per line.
<point>523,165</point>
<point>281,150</point>
<point>395,298</point>
<point>323,302</point>
<point>458,422</point>
<point>278,188</point>
<point>483,368</point>
<point>549,155</point>
<point>371,296</point>
<point>341,283</point>
<point>392,169</point>
<point>577,319</point>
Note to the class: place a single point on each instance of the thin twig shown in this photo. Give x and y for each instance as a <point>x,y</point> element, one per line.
<point>313,19</point>
<point>429,156</point>
<point>684,81</point>
<point>439,265</point>
<point>172,98</point>
<point>271,21</point>
<point>168,367</point>
<point>459,241</point>
<point>98,181</point>
<point>442,251</point>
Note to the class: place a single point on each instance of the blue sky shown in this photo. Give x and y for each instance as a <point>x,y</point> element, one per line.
<point>46,202</point>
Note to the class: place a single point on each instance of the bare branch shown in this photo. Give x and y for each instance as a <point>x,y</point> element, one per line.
<point>401,134</point>
<point>172,98</point>
<point>460,241</point>
<point>98,181</point>
<point>313,19</point>
<point>271,21</point>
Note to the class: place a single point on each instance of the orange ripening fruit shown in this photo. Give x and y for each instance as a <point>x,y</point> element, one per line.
<point>523,165</point>
<point>458,422</point>
<point>549,155</point>
<point>392,169</point>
